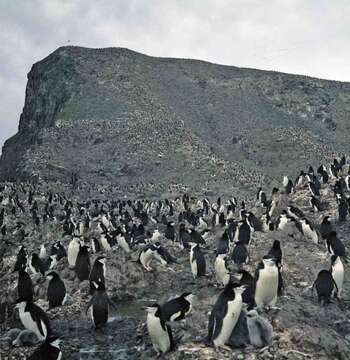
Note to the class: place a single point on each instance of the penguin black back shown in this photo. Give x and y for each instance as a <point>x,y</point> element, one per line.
<point>24,286</point>
<point>82,264</point>
<point>325,286</point>
<point>240,254</point>
<point>56,291</point>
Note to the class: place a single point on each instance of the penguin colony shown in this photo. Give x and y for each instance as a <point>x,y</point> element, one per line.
<point>144,228</point>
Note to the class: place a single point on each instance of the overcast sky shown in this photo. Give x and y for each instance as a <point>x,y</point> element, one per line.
<point>309,37</point>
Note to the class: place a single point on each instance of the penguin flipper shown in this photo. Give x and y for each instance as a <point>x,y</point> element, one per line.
<point>280,283</point>
<point>211,328</point>
<point>218,320</point>
<point>170,334</point>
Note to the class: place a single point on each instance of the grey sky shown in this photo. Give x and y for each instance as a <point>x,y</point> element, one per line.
<point>297,36</point>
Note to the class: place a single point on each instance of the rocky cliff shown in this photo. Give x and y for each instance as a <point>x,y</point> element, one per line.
<point>119,117</point>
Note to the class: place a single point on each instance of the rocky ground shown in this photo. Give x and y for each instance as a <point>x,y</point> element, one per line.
<point>302,328</point>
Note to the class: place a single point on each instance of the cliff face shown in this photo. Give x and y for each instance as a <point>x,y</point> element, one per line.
<point>117,116</point>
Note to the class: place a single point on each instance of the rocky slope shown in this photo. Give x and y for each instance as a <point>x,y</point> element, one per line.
<point>114,116</point>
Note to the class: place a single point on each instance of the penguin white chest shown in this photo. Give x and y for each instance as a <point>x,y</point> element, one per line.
<point>310,233</point>
<point>123,243</point>
<point>105,244</point>
<point>266,287</point>
<point>229,321</point>
<point>338,275</point>
<point>194,266</point>
<point>283,223</point>
<point>146,257</point>
<point>159,336</point>
<point>73,250</point>
<point>42,254</point>
<point>221,273</point>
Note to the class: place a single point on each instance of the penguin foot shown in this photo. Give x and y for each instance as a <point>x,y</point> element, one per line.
<point>224,347</point>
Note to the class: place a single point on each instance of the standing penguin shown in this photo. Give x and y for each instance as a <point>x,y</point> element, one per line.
<point>48,350</point>
<point>146,256</point>
<point>243,232</point>
<point>337,271</point>
<point>22,259</point>
<point>58,250</point>
<point>334,245</point>
<point>197,260</point>
<point>34,318</point>
<point>247,280</point>
<point>178,308</point>
<point>56,291</point>
<point>266,283</point>
<point>315,204</point>
<point>82,264</point>
<point>261,196</point>
<point>326,287</point>
<point>99,304</point>
<point>159,331</point>
<point>240,254</point>
<point>343,208</point>
<point>73,250</point>
<point>223,245</point>
<point>225,314</point>
<point>98,273</point>
<point>24,286</point>
<point>222,273</point>
<point>326,227</point>
<point>288,185</point>
<point>36,265</point>
<point>308,230</point>
<point>170,231</point>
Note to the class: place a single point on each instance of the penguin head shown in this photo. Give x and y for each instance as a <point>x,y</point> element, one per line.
<point>51,275</point>
<point>193,245</point>
<point>269,261</point>
<point>335,259</point>
<point>239,289</point>
<point>252,314</point>
<point>99,285</point>
<point>20,304</point>
<point>188,296</point>
<point>153,309</point>
<point>326,220</point>
<point>102,260</point>
<point>53,341</point>
<point>237,276</point>
<point>276,244</point>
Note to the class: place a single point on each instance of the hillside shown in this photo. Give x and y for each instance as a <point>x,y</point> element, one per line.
<point>115,116</point>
